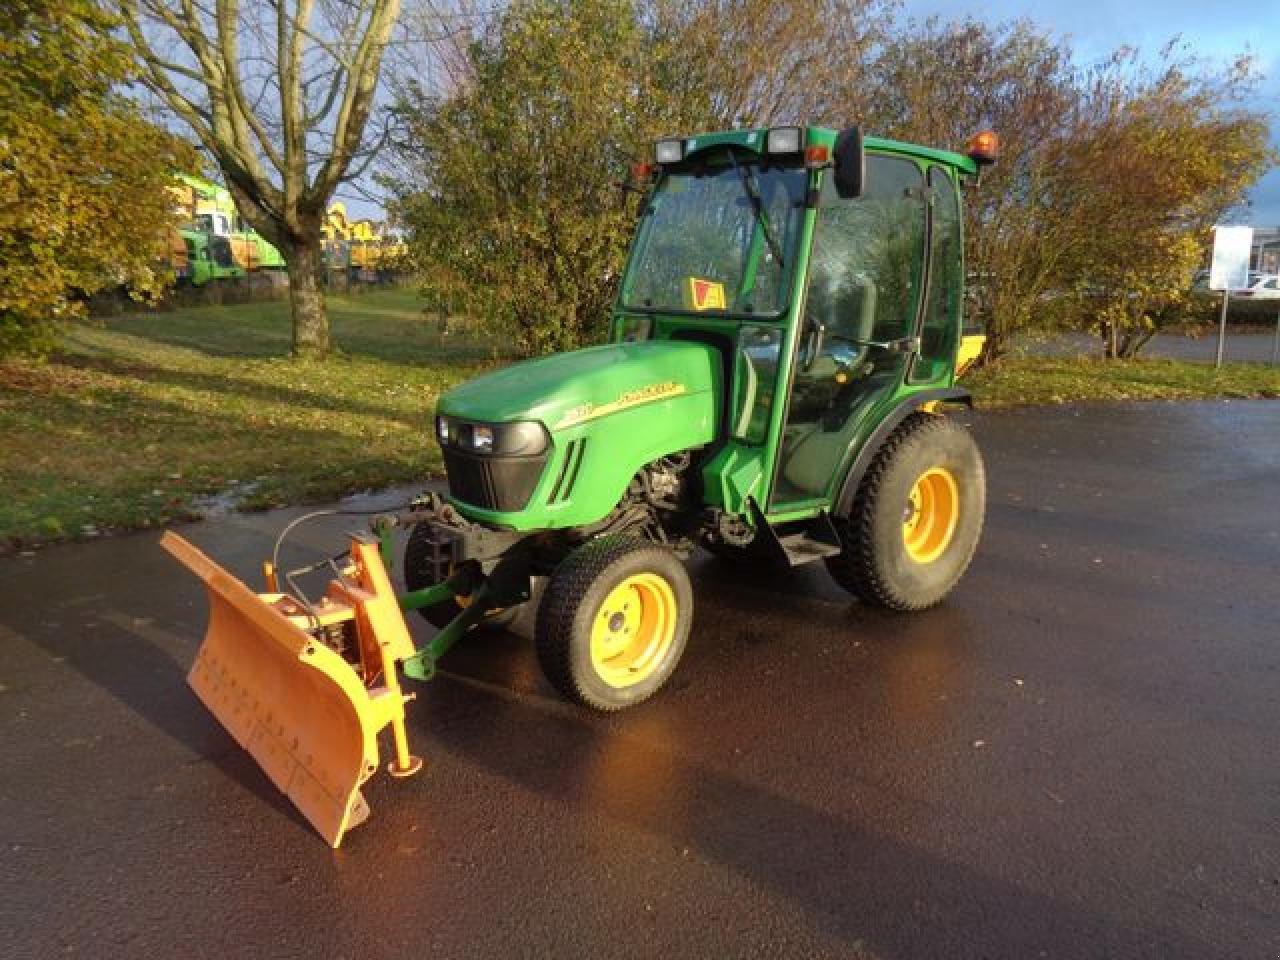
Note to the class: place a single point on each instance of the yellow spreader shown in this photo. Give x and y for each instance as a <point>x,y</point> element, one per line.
<point>307,688</point>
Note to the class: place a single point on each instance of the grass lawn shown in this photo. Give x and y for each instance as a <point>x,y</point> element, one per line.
<point>140,419</point>
<point>1046,380</point>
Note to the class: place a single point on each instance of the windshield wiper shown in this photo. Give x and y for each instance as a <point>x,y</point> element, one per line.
<point>753,194</point>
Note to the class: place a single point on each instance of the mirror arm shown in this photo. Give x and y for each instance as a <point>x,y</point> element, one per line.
<point>902,345</point>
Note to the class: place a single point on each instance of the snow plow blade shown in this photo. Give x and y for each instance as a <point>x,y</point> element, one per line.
<point>306,690</point>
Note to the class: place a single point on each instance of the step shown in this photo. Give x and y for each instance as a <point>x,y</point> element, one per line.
<point>803,547</point>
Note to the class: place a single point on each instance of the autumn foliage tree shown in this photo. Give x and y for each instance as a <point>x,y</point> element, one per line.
<point>938,83</point>
<point>1151,159</point>
<point>1092,219</point>
<point>512,180</point>
<point>510,185</point>
<point>83,204</point>
<point>728,63</point>
<point>1096,215</point>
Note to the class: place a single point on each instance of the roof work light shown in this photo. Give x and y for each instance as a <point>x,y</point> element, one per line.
<point>784,140</point>
<point>669,151</point>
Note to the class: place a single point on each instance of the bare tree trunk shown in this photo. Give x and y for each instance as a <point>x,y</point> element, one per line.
<point>306,300</point>
<point>993,348</point>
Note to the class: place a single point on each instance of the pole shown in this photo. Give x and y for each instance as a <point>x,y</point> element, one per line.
<point>1275,347</point>
<point>1222,331</point>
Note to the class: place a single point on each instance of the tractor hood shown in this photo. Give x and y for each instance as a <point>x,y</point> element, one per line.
<point>567,389</point>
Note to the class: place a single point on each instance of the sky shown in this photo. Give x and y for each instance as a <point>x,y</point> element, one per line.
<point>1214,30</point>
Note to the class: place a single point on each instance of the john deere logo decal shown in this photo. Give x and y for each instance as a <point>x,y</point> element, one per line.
<point>632,398</point>
<point>704,294</point>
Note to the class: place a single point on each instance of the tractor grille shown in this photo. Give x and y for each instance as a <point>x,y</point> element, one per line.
<point>563,486</point>
<point>492,483</point>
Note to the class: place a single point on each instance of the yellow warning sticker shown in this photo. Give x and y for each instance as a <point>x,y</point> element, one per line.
<point>704,294</point>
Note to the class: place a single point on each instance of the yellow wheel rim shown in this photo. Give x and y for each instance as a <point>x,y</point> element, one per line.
<point>930,516</point>
<point>633,630</point>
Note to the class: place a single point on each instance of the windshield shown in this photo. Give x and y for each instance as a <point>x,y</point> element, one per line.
<point>703,248</point>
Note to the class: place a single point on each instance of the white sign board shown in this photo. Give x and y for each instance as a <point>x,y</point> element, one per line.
<point>1230,267</point>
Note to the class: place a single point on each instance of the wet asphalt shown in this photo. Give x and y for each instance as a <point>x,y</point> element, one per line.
<point>1075,756</point>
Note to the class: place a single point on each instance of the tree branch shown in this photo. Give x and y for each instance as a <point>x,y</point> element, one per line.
<point>361,85</point>
<point>244,119</point>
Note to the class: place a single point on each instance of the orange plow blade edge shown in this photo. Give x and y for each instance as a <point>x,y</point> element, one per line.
<point>307,713</point>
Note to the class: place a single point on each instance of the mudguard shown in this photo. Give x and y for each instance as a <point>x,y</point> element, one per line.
<point>911,404</point>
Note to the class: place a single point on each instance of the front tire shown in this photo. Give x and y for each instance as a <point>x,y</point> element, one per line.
<point>917,518</point>
<point>613,622</point>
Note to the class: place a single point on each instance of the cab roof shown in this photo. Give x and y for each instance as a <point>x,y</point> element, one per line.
<point>754,140</point>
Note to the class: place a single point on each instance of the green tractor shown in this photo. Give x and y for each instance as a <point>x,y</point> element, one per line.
<point>788,324</point>
<point>786,335</point>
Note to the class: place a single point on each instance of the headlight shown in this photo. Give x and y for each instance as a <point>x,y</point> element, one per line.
<point>519,439</point>
<point>783,140</point>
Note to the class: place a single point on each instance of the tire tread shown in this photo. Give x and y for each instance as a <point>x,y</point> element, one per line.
<point>857,567</point>
<point>565,592</point>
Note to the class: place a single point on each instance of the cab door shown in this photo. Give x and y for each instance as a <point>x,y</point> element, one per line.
<point>862,289</point>
<point>940,320</point>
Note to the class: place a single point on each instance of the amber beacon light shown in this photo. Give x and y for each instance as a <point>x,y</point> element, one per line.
<point>983,147</point>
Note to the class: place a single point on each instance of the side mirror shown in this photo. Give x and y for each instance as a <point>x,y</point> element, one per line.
<point>851,163</point>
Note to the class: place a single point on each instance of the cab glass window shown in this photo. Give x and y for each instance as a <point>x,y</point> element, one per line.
<point>755,373</point>
<point>702,248</point>
<point>865,267</point>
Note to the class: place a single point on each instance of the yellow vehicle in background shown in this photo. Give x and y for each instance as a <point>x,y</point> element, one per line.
<point>359,246</point>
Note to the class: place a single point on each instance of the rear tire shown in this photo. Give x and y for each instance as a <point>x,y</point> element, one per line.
<point>917,517</point>
<point>419,573</point>
<point>613,622</point>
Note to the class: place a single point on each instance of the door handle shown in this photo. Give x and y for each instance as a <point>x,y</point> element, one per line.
<point>817,335</point>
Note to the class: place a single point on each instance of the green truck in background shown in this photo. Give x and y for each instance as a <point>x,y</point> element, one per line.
<point>214,243</point>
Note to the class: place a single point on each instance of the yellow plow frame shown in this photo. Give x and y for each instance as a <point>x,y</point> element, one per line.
<point>306,689</point>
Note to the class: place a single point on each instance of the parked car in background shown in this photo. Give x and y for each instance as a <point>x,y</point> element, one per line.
<point>1262,286</point>
<point>1200,282</point>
